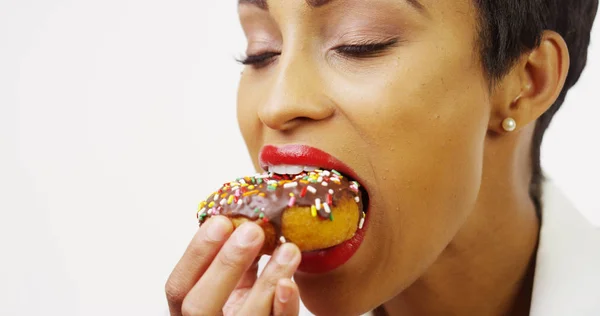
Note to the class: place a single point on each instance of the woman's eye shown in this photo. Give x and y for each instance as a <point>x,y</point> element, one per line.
<point>259,60</point>
<point>364,50</point>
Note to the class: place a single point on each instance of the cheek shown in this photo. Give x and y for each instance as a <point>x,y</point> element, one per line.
<point>425,127</point>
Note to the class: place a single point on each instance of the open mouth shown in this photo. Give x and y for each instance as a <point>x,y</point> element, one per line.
<point>293,160</point>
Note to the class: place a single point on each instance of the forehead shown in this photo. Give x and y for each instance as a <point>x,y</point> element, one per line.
<point>263,4</point>
<point>440,13</point>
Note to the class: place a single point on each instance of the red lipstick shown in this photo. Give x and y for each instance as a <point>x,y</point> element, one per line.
<point>324,260</point>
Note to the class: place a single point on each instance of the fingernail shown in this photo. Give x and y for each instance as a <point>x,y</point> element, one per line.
<point>217,229</point>
<point>284,293</point>
<point>285,254</point>
<point>247,234</point>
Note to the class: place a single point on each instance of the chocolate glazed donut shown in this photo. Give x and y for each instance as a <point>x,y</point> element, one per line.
<point>315,210</point>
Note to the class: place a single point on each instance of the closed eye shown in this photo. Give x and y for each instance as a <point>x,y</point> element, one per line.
<point>259,60</point>
<point>367,50</point>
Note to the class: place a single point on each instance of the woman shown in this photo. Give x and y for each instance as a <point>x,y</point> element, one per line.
<point>439,107</point>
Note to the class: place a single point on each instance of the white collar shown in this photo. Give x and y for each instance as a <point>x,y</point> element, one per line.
<point>567,273</point>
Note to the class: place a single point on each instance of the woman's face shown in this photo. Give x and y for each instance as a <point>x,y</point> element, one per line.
<point>395,90</point>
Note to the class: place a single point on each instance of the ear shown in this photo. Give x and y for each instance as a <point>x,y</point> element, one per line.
<point>533,85</point>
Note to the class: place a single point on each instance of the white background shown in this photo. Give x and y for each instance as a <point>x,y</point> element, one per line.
<point>115,116</point>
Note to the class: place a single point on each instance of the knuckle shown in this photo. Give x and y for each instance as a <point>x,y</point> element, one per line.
<point>230,258</point>
<point>198,251</point>
<point>174,292</point>
<point>269,282</point>
<point>190,309</point>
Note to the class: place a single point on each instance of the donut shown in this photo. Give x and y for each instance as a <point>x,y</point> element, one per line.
<point>314,210</point>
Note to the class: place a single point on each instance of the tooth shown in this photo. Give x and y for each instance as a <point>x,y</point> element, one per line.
<point>278,169</point>
<point>309,168</point>
<point>293,169</point>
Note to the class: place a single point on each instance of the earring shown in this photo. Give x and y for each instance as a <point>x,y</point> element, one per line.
<point>509,124</point>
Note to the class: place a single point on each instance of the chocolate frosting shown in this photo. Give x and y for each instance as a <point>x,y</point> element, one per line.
<point>266,196</point>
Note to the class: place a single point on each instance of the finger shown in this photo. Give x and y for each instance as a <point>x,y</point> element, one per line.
<point>199,254</point>
<point>210,293</point>
<point>282,265</point>
<point>287,298</point>
<point>241,291</point>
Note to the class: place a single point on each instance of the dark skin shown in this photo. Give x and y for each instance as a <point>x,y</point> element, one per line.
<point>452,229</point>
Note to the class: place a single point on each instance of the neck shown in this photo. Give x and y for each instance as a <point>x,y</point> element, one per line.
<point>487,269</point>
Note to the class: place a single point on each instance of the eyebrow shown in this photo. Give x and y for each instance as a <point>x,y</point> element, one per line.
<point>317,3</point>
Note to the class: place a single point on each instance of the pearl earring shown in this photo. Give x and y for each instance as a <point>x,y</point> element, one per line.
<point>509,124</point>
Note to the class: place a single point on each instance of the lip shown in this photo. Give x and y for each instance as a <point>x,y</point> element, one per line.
<point>320,261</point>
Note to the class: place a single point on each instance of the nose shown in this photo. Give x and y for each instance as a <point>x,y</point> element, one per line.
<point>296,95</point>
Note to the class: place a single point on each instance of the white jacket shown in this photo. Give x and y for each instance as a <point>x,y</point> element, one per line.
<point>567,272</point>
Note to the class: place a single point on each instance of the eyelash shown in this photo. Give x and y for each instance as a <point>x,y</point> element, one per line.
<point>258,60</point>
<point>367,50</point>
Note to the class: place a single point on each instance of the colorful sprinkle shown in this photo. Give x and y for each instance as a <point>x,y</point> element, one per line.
<point>230,199</point>
<point>256,210</point>
<point>292,201</point>
<point>290,185</point>
<point>329,199</point>
<point>313,211</point>
<point>311,189</point>
<point>361,223</point>
<point>250,193</point>
<point>324,183</point>
<point>357,199</point>
<point>318,204</point>
<point>336,172</point>
<point>303,192</point>
<point>282,240</point>
<point>326,207</point>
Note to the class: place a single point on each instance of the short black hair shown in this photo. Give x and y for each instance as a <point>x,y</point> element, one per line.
<point>510,28</point>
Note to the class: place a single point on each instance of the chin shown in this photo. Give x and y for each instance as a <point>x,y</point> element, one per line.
<point>343,291</point>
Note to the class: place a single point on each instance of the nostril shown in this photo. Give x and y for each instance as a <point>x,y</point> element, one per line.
<point>285,111</point>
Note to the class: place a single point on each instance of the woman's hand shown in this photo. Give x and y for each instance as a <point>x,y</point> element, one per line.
<point>217,274</point>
